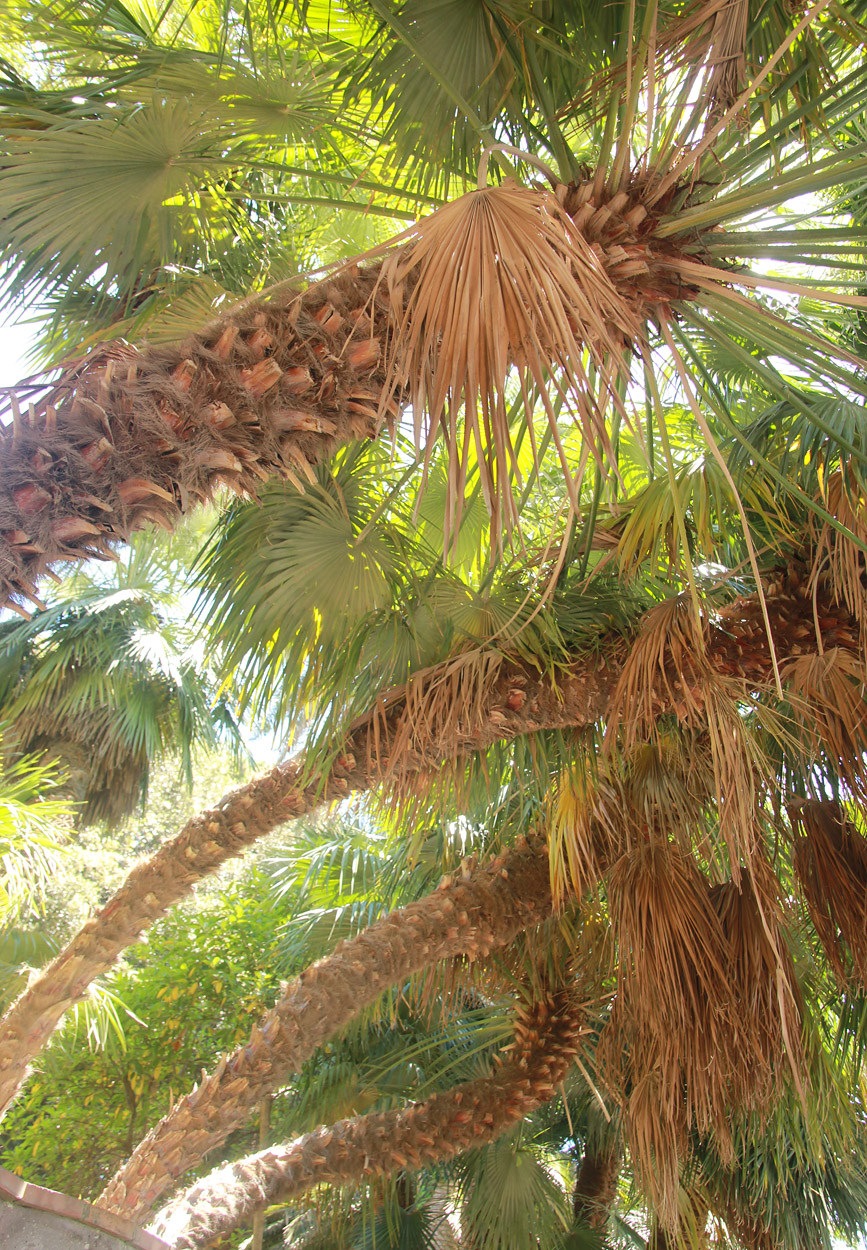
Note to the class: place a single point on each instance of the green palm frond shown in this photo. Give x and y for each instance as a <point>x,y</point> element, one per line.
<point>32,828</point>
<point>513,1196</point>
<point>106,682</point>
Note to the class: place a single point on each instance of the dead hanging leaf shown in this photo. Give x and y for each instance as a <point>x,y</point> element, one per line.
<point>587,829</point>
<point>830,860</point>
<point>767,1000</point>
<point>500,280</point>
<point>604,808</point>
<point>671,1029</point>
<point>668,670</point>
<point>665,669</point>
<point>827,698</point>
<point>670,785</point>
<point>740,769</point>
<point>444,707</point>
<point>844,497</point>
<point>707,1013</point>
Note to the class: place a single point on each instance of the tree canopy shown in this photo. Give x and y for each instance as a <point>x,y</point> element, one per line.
<point>521,347</point>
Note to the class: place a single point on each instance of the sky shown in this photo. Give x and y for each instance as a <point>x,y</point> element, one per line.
<point>16,341</point>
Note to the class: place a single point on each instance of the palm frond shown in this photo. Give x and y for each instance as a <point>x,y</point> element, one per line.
<point>496,279</point>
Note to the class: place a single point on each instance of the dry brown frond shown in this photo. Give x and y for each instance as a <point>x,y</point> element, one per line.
<point>666,1048</point>
<point>707,1010</point>
<point>500,278</point>
<point>713,33</point>
<point>664,671</point>
<point>843,497</point>
<point>827,696</point>
<point>739,767</point>
<point>670,784</point>
<point>830,861</point>
<point>669,670</point>
<point>443,707</point>
<point>588,819</point>
<point>660,790</point>
<point>762,975</point>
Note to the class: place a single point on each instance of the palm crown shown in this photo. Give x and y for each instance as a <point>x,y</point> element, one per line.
<point>604,583</point>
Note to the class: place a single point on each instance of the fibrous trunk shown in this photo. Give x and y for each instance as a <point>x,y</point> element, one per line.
<point>131,437</point>
<point>468,917</point>
<point>518,701</point>
<point>596,1184</point>
<point>547,1036</point>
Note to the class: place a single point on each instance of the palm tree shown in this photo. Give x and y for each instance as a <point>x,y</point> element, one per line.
<point>107,680</point>
<point>635,252</point>
<point>650,646</point>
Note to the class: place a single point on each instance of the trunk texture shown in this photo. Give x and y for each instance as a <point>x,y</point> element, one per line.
<point>596,1186</point>
<point>395,740</point>
<point>349,1152</point>
<point>470,916</point>
<point>130,436</point>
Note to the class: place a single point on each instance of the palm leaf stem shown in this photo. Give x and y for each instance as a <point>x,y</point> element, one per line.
<point>470,917</point>
<point>786,484</point>
<point>701,421</point>
<point>341,205</point>
<point>690,158</point>
<point>547,1036</point>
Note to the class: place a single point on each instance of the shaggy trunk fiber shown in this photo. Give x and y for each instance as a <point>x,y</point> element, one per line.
<point>470,917</point>
<point>546,1038</point>
<point>596,1185</point>
<point>519,700</point>
<point>130,437</point>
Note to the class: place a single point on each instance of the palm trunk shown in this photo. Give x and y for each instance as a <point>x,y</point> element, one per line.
<point>596,1185</point>
<point>132,437</point>
<point>471,916</point>
<point>382,1143</point>
<point>129,437</point>
<point>519,700</point>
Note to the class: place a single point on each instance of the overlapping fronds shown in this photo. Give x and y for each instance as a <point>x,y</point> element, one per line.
<point>714,32</point>
<point>587,829</point>
<point>668,672</point>
<point>767,1000</point>
<point>107,683</point>
<point>603,809</point>
<point>667,1048</point>
<point>830,860</point>
<point>665,668</point>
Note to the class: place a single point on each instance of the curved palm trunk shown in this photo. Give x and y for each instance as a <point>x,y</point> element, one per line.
<point>596,1185</point>
<point>129,437</point>
<point>546,1038</point>
<point>470,917</point>
<point>518,700</point>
